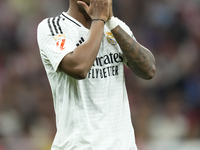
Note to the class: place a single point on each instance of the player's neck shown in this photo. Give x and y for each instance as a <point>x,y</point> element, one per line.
<point>80,16</point>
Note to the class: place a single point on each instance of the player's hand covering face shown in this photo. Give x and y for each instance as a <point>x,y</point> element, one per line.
<point>97,9</point>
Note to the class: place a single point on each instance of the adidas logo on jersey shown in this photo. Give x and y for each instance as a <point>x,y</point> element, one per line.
<point>80,41</point>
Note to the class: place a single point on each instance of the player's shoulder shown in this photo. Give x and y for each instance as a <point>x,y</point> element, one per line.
<point>51,24</point>
<point>125,27</point>
<point>43,23</point>
<point>43,29</point>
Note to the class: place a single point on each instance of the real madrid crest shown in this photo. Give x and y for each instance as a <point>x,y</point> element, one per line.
<point>111,39</point>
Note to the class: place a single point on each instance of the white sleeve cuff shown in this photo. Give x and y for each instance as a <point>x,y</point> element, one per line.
<point>112,23</point>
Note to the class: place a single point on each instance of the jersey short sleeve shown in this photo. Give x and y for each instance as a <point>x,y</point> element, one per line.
<point>53,44</point>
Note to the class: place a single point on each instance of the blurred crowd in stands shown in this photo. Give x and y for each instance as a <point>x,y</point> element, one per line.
<point>165,110</point>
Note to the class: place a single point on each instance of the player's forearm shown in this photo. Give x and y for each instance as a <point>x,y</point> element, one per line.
<point>140,60</point>
<point>87,52</point>
<point>78,63</point>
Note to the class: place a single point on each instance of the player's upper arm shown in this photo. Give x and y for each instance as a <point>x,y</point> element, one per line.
<point>71,66</point>
<point>53,48</point>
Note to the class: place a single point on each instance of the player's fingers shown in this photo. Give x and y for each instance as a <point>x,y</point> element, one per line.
<point>111,9</point>
<point>83,4</point>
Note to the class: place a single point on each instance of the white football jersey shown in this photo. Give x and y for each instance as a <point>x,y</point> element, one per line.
<point>94,113</point>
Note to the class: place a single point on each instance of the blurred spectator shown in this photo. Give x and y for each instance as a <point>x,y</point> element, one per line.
<point>169,123</point>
